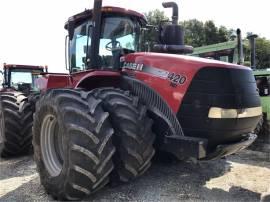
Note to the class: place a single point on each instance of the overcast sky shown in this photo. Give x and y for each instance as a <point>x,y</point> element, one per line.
<point>32,30</point>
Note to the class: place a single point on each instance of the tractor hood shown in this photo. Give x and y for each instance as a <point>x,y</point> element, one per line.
<point>168,61</point>
<point>173,72</point>
<point>219,98</point>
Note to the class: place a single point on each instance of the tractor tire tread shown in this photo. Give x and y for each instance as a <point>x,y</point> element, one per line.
<point>88,160</point>
<point>133,136</point>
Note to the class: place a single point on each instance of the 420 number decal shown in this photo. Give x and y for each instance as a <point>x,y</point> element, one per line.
<point>177,79</point>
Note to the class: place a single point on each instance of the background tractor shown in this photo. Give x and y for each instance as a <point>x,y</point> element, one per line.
<point>17,100</point>
<point>119,104</point>
<point>232,51</point>
<point>262,78</point>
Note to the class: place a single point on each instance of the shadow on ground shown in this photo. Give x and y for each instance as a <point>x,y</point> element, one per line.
<point>16,167</point>
<point>163,182</point>
<point>251,157</point>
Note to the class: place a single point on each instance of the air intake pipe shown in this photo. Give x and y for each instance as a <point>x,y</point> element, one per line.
<point>174,6</point>
<point>171,36</point>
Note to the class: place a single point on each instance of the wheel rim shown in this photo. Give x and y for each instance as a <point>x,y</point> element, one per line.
<point>51,145</point>
<point>2,127</point>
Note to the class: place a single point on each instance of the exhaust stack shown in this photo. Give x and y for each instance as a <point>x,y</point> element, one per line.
<point>96,31</point>
<point>239,47</point>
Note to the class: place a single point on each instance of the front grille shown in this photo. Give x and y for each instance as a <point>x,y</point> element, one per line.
<point>218,87</point>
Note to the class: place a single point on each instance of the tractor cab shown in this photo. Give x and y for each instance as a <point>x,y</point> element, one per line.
<point>120,33</point>
<point>20,77</point>
<point>99,37</point>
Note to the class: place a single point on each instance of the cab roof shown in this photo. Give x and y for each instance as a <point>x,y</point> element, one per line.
<point>15,66</point>
<point>106,10</point>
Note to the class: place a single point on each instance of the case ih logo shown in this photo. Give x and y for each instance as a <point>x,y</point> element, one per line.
<point>133,66</point>
<point>174,78</point>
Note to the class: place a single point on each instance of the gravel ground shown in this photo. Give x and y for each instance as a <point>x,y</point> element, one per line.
<point>241,177</point>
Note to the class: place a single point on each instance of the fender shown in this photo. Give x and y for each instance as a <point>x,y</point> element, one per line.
<point>88,80</point>
<point>52,80</point>
<point>95,79</point>
<point>165,119</point>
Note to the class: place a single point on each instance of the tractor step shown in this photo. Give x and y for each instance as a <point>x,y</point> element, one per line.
<point>184,146</point>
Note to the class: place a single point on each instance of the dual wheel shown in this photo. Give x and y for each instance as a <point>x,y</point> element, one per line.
<point>84,140</point>
<point>15,124</point>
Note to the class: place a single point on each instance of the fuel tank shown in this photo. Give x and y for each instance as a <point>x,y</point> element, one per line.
<point>211,99</point>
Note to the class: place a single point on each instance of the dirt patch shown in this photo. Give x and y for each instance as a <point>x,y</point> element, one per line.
<point>241,177</point>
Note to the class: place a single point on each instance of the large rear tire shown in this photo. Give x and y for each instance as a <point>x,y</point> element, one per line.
<point>72,144</point>
<point>15,124</point>
<point>133,133</point>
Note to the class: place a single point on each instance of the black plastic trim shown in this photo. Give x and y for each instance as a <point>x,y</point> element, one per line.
<point>155,103</point>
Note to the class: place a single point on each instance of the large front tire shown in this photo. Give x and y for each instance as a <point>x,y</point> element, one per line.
<point>133,137</point>
<point>15,124</point>
<point>72,144</point>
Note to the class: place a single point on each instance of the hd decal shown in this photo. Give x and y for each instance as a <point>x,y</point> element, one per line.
<point>174,78</point>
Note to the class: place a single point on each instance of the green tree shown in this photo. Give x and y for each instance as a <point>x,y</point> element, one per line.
<point>194,32</point>
<point>210,33</point>
<point>262,53</point>
<point>154,18</point>
<point>223,34</point>
<point>199,34</point>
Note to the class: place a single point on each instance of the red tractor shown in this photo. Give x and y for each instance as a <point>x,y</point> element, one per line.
<point>104,121</point>
<point>17,100</point>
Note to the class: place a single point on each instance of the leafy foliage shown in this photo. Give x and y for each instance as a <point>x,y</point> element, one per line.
<point>155,18</point>
<point>263,53</point>
<point>198,33</point>
<point>194,32</point>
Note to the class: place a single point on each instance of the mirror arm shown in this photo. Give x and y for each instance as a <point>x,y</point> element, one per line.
<point>67,53</point>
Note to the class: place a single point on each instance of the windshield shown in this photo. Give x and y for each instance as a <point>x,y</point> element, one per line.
<point>117,33</point>
<point>1,78</point>
<point>24,77</point>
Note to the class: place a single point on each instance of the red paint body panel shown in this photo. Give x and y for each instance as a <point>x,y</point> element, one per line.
<point>184,65</point>
<point>112,9</point>
<point>4,90</point>
<point>105,10</point>
<point>49,81</point>
<point>78,78</point>
<point>14,66</point>
<point>179,64</point>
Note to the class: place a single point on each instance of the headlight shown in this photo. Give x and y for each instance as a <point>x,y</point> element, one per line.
<point>220,113</point>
